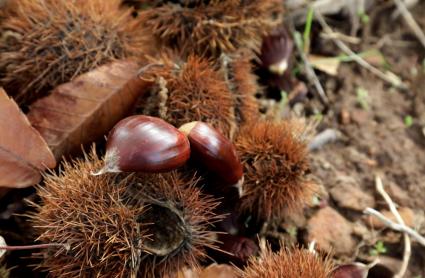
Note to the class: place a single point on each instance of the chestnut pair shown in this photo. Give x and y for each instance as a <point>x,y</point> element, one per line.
<point>149,144</point>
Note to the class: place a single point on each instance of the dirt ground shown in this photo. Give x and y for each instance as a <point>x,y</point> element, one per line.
<point>377,138</point>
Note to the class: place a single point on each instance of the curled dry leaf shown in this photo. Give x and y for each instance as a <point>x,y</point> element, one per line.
<point>83,110</point>
<point>23,152</point>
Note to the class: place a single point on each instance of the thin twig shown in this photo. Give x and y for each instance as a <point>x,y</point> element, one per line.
<point>388,77</point>
<point>36,246</point>
<point>411,21</point>
<point>395,226</point>
<point>394,211</point>
<point>311,75</point>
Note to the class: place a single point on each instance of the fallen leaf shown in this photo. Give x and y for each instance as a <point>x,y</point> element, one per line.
<point>85,109</point>
<point>374,57</point>
<point>328,65</point>
<point>23,152</point>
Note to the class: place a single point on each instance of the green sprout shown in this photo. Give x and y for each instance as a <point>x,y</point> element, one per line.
<point>378,249</point>
<point>318,116</point>
<point>408,121</point>
<point>292,231</point>
<point>307,30</point>
<point>364,18</point>
<point>362,98</point>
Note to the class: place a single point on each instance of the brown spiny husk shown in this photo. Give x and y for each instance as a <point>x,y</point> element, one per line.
<point>49,42</point>
<point>108,222</point>
<point>195,212</point>
<point>242,82</point>
<point>288,263</point>
<point>221,94</point>
<point>213,27</point>
<point>91,214</point>
<point>192,90</point>
<point>274,156</point>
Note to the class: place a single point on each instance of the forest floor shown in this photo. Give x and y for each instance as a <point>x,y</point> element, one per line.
<point>381,134</point>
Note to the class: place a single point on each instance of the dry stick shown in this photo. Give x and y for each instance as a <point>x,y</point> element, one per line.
<point>311,74</point>
<point>393,209</point>
<point>396,226</point>
<point>410,21</point>
<point>36,246</point>
<point>396,83</point>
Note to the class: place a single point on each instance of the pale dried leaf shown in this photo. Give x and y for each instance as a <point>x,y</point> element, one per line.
<point>329,65</point>
<point>85,109</point>
<point>2,244</point>
<point>23,152</point>
<point>374,57</point>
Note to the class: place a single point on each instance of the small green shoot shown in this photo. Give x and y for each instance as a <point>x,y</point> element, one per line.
<point>378,249</point>
<point>307,30</point>
<point>283,99</point>
<point>362,97</point>
<point>318,116</point>
<point>364,18</point>
<point>408,121</point>
<point>292,231</point>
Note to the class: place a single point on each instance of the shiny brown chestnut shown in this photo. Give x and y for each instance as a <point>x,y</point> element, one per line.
<point>215,152</point>
<point>145,144</point>
<point>353,270</point>
<point>238,249</point>
<point>276,51</point>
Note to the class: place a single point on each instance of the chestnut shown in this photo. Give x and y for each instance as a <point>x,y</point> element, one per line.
<point>215,152</point>
<point>276,50</point>
<point>145,144</point>
<point>237,249</point>
<point>353,270</point>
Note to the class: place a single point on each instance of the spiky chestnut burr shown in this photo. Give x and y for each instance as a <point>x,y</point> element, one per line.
<point>210,28</point>
<point>122,225</point>
<point>190,90</point>
<point>49,42</point>
<point>182,217</point>
<point>287,263</point>
<point>241,81</point>
<point>274,156</point>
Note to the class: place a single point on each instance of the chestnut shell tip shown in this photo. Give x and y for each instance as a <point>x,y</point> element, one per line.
<point>239,186</point>
<point>187,127</point>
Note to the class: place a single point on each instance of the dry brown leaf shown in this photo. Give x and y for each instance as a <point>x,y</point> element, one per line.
<point>85,109</point>
<point>23,152</point>
<point>329,65</point>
